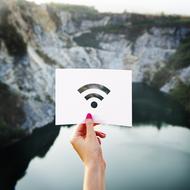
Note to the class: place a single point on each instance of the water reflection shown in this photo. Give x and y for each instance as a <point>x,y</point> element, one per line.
<point>151,106</point>
<point>142,157</point>
<point>15,159</point>
<point>137,159</point>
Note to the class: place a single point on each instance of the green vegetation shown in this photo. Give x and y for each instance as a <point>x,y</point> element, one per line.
<point>21,2</point>
<point>159,20</point>
<point>181,58</point>
<point>37,98</point>
<point>88,40</point>
<point>162,76</point>
<point>80,10</point>
<point>74,8</point>
<point>182,94</point>
<point>12,38</point>
<point>9,134</point>
<point>49,98</point>
<point>134,26</point>
<point>137,23</point>
<point>11,115</point>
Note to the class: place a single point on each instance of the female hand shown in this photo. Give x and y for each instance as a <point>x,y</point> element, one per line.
<point>86,142</point>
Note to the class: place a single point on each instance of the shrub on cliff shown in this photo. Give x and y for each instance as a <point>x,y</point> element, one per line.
<point>182,93</point>
<point>181,58</point>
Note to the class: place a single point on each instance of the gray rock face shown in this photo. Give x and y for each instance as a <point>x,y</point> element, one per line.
<point>50,34</point>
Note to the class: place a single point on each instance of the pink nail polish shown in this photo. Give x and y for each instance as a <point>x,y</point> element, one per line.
<point>103,134</point>
<point>89,116</point>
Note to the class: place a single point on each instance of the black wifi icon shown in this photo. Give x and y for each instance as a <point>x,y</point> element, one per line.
<point>103,88</point>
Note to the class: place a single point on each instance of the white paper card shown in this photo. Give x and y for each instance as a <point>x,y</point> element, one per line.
<point>105,93</point>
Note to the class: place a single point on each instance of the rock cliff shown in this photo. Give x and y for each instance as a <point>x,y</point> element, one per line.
<point>36,39</point>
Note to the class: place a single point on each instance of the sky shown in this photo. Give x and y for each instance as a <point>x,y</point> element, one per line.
<point>181,7</point>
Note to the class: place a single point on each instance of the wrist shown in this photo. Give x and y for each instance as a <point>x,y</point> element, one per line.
<point>96,165</point>
<point>95,176</point>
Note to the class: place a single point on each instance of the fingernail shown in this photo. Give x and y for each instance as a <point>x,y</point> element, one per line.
<point>89,116</point>
<point>103,134</point>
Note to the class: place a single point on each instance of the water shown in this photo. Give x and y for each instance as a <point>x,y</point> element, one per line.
<point>154,154</point>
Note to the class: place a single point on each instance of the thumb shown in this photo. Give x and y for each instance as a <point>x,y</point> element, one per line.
<point>89,126</point>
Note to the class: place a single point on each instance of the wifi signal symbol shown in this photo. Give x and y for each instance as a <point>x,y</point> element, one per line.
<point>94,95</point>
